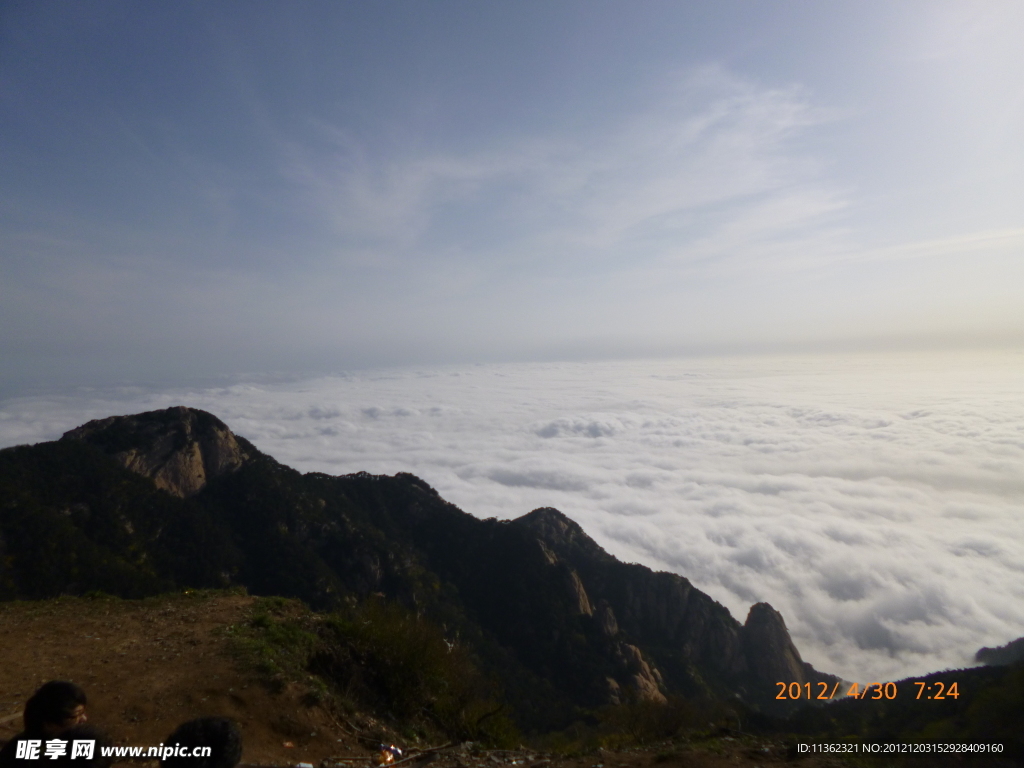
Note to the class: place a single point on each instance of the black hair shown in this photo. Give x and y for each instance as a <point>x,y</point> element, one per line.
<point>53,704</point>
<point>219,733</point>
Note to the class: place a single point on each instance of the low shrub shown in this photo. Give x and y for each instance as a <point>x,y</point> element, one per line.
<point>403,666</point>
<point>377,657</point>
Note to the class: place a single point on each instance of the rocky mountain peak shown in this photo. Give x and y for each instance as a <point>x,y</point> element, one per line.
<point>770,651</point>
<point>550,524</point>
<point>180,448</point>
<point>559,534</point>
<point>762,615</point>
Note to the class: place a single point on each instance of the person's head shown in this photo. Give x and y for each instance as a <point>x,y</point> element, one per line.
<point>57,705</point>
<point>218,733</point>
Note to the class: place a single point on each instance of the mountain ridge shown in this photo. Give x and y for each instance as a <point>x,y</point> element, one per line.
<point>181,501</point>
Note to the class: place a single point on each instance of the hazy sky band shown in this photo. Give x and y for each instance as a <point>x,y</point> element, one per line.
<point>195,189</point>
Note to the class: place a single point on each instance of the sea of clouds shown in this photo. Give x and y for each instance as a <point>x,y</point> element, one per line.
<point>876,501</point>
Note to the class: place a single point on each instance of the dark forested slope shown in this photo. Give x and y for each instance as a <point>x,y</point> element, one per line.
<point>136,505</point>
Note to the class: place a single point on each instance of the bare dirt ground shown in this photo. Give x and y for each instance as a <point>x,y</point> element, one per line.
<point>149,665</point>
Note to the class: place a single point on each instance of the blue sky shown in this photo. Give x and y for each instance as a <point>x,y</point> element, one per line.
<point>196,189</point>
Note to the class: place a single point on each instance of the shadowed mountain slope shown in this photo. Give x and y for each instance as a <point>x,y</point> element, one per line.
<point>134,505</point>
<point>1011,653</point>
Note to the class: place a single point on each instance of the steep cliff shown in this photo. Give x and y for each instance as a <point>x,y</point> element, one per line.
<point>691,643</point>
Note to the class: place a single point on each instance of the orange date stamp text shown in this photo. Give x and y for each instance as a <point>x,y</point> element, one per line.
<point>934,690</point>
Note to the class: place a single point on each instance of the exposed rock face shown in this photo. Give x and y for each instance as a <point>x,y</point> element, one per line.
<point>180,448</point>
<point>771,656</point>
<point>645,681</point>
<point>551,525</point>
<point>685,636</point>
<point>606,619</point>
<point>583,607</point>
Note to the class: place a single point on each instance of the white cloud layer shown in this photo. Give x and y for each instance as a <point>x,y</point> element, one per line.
<point>875,501</point>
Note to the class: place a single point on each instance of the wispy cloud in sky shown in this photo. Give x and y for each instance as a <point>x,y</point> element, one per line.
<point>876,501</point>
<point>712,169</point>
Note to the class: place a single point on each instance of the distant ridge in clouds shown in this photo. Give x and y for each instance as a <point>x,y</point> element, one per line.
<point>875,501</point>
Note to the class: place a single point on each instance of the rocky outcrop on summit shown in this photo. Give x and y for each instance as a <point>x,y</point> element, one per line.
<point>180,449</point>
<point>770,653</point>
